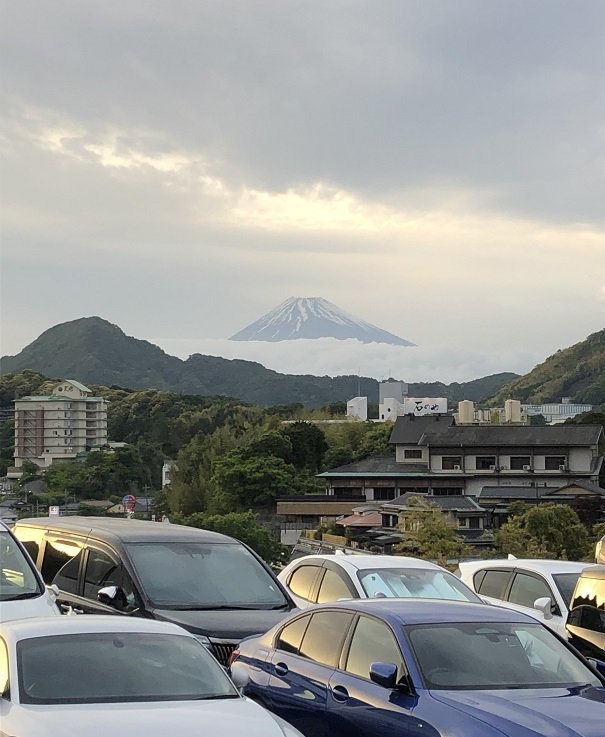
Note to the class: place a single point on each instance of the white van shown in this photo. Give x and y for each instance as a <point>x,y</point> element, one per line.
<point>22,590</point>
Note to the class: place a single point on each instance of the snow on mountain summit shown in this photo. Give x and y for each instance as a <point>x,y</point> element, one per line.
<point>314,317</point>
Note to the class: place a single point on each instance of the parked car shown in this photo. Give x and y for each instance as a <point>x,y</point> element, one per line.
<point>383,667</point>
<point>211,584</point>
<point>586,620</point>
<point>325,578</point>
<point>103,675</point>
<point>540,588</point>
<point>22,590</point>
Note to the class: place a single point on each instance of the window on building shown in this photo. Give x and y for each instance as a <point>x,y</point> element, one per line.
<point>485,463</point>
<point>412,453</point>
<point>517,462</point>
<point>451,463</point>
<point>384,494</point>
<point>552,463</point>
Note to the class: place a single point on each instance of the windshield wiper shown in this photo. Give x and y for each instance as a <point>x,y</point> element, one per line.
<point>218,696</point>
<point>208,607</point>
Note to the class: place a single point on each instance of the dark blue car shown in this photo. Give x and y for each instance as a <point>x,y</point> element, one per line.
<point>419,668</point>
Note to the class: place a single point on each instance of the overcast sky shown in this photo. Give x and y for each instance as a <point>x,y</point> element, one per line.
<point>434,167</point>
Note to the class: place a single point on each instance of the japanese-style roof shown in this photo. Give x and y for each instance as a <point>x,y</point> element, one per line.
<point>512,435</point>
<point>377,466</point>
<point>370,519</point>
<point>445,503</point>
<point>408,429</point>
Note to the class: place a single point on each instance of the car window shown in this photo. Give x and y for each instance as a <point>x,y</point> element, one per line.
<point>495,655</point>
<point>4,680</point>
<point>372,642</point>
<point>57,554</point>
<point>301,581</point>
<point>18,579</point>
<point>424,583</point>
<point>322,641</point>
<point>494,583</point>
<point>205,575</point>
<point>30,538</point>
<point>106,667</point>
<point>290,637</point>
<point>102,571</point>
<point>526,589</point>
<point>67,576</point>
<point>333,588</point>
<point>590,591</point>
<point>566,583</point>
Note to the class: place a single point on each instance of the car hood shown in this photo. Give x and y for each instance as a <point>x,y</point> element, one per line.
<point>228,624</point>
<point>557,712</point>
<point>39,606</point>
<point>219,718</point>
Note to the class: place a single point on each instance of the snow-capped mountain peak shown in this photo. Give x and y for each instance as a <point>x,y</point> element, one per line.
<point>314,317</point>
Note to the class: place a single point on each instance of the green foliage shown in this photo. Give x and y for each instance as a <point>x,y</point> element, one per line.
<point>429,533</point>
<point>244,483</point>
<point>544,531</point>
<point>242,526</point>
<point>308,444</point>
<point>577,371</point>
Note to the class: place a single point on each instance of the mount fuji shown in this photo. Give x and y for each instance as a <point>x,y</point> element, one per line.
<point>314,317</point>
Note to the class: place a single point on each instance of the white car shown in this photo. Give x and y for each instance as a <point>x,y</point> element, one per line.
<point>540,588</point>
<point>324,578</point>
<point>22,590</point>
<point>102,675</point>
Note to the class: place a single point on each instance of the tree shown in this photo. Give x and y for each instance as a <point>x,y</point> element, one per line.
<point>308,445</point>
<point>245,483</point>
<point>242,526</point>
<point>429,533</point>
<point>544,531</point>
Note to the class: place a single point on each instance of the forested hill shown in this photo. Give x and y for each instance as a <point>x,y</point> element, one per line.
<point>95,351</point>
<point>577,372</point>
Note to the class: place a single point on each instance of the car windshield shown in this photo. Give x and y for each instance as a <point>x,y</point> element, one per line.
<point>204,576</point>
<point>103,667</point>
<point>566,583</point>
<point>485,655</point>
<point>17,577</point>
<point>424,583</point>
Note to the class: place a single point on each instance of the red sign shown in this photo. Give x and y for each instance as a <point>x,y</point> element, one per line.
<point>129,502</point>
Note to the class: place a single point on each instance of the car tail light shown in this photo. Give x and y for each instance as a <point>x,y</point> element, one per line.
<point>233,657</point>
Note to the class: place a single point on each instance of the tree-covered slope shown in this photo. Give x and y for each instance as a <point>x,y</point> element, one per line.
<point>577,372</point>
<point>95,351</point>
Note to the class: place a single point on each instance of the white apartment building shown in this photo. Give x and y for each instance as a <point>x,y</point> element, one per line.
<point>59,426</point>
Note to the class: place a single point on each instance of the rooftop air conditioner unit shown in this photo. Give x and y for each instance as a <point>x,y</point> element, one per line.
<point>493,468</point>
<point>457,468</point>
<point>562,467</point>
<point>527,468</point>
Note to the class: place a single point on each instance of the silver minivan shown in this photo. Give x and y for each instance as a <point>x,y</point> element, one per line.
<point>22,590</point>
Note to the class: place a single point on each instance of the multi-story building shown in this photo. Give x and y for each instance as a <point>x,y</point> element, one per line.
<point>59,426</point>
<point>433,456</point>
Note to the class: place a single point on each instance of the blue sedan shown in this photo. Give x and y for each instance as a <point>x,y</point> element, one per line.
<point>419,668</point>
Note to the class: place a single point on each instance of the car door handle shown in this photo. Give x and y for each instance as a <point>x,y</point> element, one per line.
<point>340,693</point>
<point>281,669</point>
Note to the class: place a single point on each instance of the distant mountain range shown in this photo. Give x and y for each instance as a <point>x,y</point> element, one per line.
<point>95,351</point>
<point>314,317</point>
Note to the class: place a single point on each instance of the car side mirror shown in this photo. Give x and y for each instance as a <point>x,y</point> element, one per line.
<point>598,665</point>
<point>384,674</point>
<point>544,606</point>
<point>53,590</point>
<point>112,596</point>
<point>239,676</point>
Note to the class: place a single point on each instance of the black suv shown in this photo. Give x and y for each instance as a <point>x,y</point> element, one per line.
<point>210,584</point>
<point>586,620</point>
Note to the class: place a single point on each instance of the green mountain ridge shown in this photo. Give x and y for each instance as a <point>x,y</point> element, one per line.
<point>577,372</point>
<point>95,351</point>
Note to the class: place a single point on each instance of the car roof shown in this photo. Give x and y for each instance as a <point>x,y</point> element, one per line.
<point>362,562</point>
<point>21,629</point>
<point>125,530</point>
<point>531,564</point>
<point>429,611</point>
